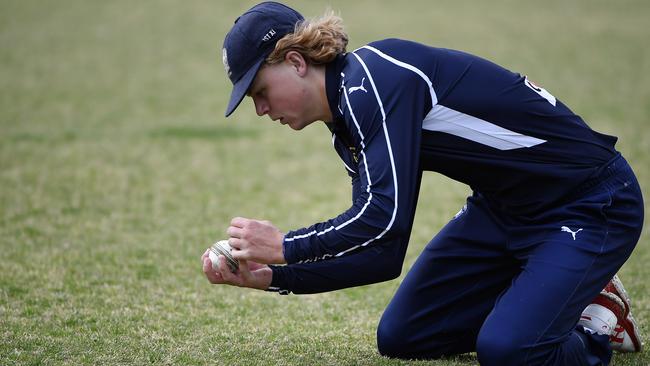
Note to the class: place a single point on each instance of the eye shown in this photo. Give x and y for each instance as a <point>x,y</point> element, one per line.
<point>253,91</point>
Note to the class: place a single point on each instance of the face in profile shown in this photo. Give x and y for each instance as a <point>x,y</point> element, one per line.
<point>282,91</point>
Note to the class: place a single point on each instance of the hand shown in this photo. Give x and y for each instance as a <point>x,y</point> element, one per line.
<point>249,274</point>
<point>256,240</point>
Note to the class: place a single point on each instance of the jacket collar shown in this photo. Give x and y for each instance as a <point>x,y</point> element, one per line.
<point>333,85</point>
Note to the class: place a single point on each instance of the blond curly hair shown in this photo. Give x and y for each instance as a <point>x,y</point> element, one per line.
<point>317,40</point>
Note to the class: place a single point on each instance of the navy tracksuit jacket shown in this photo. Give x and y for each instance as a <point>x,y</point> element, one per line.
<point>555,209</point>
<point>401,107</point>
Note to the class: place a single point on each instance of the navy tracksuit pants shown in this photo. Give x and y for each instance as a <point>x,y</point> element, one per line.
<point>513,288</point>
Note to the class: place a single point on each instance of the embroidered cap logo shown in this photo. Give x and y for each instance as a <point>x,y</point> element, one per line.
<point>268,35</point>
<point>225,62</point>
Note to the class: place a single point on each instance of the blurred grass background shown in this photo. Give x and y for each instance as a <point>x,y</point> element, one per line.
<point>117,170</point>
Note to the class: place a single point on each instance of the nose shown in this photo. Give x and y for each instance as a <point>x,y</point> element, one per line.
<point>261,107</point>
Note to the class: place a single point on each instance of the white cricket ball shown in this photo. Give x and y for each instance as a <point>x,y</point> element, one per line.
<point>214,258</point>
<point>222,248</point>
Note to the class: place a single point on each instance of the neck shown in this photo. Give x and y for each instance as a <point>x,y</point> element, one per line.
<point>324,112</point>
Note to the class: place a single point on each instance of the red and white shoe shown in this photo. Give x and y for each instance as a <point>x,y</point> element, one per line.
<point>626,336</point>
<point>615,319</point>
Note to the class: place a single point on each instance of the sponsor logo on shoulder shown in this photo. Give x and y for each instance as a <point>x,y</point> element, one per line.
<point>356,88</point>
<point>541,91</point>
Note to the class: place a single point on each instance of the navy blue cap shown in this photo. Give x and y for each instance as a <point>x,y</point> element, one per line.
<point>250,41</point>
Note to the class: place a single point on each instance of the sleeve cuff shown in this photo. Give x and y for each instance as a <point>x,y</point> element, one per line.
<point>279,282</point>
<point>288,251</point>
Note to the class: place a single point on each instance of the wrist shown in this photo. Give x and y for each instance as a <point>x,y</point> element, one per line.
<point>280,282</point>
<point>281,258</point>
<point>264,277</point>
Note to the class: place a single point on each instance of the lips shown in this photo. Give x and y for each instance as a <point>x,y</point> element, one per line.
<point>279,119</point>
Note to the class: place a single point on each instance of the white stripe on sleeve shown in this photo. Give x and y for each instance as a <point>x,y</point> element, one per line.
<point>369,185</point>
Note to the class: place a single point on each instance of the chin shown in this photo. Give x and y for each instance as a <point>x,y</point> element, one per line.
<point>300,125</point>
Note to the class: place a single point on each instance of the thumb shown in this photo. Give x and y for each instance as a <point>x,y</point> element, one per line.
<point>245,273</point>
<point>243,266</point>
<point>238,254</point>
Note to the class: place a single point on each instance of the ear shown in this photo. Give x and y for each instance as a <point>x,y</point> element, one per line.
<point>297,62</point>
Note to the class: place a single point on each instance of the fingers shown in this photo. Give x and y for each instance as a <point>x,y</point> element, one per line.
<point>247,275</point>
<point>207,263</point>
<point>239,222</point>
<point>213,276</point>
<point>235,232</point>
<point>241,249</point>
<point>248,239</point>
<point>222,275</point>
<point>240,255</point>
<point>229,277</point>
<point>242,222</point>
<point>237,243</point>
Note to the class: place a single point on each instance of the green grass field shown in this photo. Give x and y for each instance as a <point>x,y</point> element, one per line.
<point>117,170</point>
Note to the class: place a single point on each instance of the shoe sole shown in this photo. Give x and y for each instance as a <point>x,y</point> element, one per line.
<point>629,323</point>
<point>619,290</point>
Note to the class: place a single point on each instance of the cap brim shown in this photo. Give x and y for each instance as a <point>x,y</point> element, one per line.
<point>241,87</point>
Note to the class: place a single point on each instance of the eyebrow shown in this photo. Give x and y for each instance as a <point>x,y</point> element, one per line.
<point>249,92</point>
<point>251,89</point>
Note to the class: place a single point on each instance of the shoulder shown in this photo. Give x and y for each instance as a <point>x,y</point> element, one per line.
<point>385,59</point>
<point>396,46</point>
<point>408,51</point>
<point>394,67</point>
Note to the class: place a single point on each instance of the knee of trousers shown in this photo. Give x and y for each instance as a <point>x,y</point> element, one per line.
<point>499,348</point>
<point>395,339</point>
<point>390,340</point>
